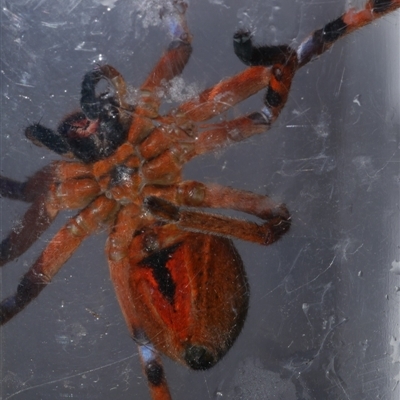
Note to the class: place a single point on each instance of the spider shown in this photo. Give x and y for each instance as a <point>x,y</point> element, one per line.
<point>179,280</point>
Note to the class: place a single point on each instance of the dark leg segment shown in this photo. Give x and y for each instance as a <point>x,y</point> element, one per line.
<point>53,188</point>
<point>283,63</point>
<point>58,251</point>
<point>35,221</point>
<point>127,221</point>
<point>14,190</point>
<point>196,194</point>
<point>154,371</point>
<point>38,217</point>
<point>322,39</point>
<point>196,221</point>
<point>41,136</point>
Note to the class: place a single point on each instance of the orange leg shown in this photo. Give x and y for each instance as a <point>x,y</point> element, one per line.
<point>127,222</point>
<point>154,372</point>
<point>171,63</point>
<point>69,187</point>
<point>165,203</point>
<point>323,39</point>
<point>223,95</point>
<point>185,139</point>
<point>57,252</point>
<point>213,137</point>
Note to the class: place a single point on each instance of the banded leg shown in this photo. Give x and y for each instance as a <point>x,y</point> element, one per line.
<point>322,39</point>
<point>163,149</point>
<point>165,204</point>
<point>127,222</point>
<point>284,61</point>
<point>154,371</point>
<point>36,220</point>
<point>213,101</point>
<point>318,42</point>
<point>54,188</point>
<point>57,252</point>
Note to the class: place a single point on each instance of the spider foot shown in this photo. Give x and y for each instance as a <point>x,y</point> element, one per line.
<point>27,290</point>
<point>242,36</point>
<point>11,189</point>
<point>174,15</point>
<point>243,45</point>
<point>280,211</point>
<point>177,7</point>
<point>261,118</point>
<point>276,228</point>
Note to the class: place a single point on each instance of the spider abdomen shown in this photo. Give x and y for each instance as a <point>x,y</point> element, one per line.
<point>191,296</point>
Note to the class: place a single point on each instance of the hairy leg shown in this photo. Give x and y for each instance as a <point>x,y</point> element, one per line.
<point>57,252</point>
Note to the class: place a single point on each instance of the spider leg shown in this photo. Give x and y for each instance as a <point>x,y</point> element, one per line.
<point>36,220</point>
<point>319,41</point>
<point>284,61</point>
<point>93,105</point>
<point>165,204</point>
<point>12,189</point>
<point>127,222</point>
<point>208,137</point>
<point>322,39</point>
<point>213,101</point>
<point>41,136</point>
<point>173,61</point>
<point>215,136</point>
<point>223,95</point>
<point>57,252</point>
<point>53,188</point>
<point>163,149</point>
<point>154,371</point>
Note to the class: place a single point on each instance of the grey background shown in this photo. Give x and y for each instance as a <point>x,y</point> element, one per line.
<point>324,304</point>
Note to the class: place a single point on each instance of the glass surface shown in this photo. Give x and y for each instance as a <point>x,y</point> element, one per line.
<point>324,309</point>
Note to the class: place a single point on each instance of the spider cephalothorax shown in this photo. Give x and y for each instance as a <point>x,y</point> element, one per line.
<point>178,278</point>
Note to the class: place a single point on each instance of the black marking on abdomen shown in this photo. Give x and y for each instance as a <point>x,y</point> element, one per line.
<point>158,264</point>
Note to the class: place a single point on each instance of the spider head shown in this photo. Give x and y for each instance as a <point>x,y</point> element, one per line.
<point>98,129</point>
<point>92,140</point>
